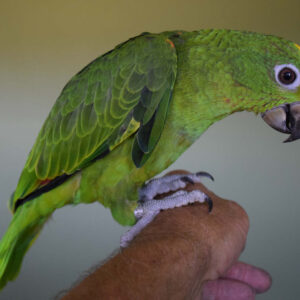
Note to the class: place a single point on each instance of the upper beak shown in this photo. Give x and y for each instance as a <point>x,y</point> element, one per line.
<point>285,118</point>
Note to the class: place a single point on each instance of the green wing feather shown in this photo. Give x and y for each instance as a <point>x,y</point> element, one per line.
<point>123,92</point>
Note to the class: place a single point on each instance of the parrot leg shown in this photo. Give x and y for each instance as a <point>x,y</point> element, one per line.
<point>149,207</point>
<point>169,183</point>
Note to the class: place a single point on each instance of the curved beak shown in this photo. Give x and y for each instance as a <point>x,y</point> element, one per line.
<point>285,118</point>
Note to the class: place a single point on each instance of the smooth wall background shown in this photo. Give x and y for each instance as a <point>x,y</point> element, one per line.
<point>44,43</point>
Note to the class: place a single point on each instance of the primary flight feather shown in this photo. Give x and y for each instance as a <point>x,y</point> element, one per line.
<point>133,111</point>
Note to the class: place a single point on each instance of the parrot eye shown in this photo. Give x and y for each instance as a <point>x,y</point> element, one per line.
<point>288,76</point>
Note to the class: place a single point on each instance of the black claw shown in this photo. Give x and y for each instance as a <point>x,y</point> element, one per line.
<point>205,174</point>
<point>187,179</point>
<point>210,203</point>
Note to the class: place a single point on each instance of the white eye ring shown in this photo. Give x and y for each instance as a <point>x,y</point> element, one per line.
<point>290,86</point>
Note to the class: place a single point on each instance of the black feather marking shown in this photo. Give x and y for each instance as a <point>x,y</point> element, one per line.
<point>146,96</point>
<point>143,135</point>
<point>52,184</point>
<point>140,109</point>
<point>138,156</point>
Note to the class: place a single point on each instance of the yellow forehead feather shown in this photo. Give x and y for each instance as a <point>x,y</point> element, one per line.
<point>298,46</point>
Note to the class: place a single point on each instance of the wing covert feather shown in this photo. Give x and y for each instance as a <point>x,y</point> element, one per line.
<point>113,97</point>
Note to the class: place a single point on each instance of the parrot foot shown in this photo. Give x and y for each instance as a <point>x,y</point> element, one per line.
<point>169,183</point>
<point>148,210</point>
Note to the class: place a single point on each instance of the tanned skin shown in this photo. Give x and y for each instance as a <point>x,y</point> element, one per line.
<point>185,253</point>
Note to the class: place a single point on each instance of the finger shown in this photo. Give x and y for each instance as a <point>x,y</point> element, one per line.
<point>224,289</point>
<point>259,279</point>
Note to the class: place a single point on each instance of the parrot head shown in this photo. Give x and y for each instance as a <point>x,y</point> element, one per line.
<point>245,71</point>
<point>262,75</point>
<point>273,86</point>
<point>285,75</point>
<point>286,117</point>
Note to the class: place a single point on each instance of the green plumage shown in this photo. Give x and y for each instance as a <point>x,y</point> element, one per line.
<point>96,107</point>
<point>130,113</point>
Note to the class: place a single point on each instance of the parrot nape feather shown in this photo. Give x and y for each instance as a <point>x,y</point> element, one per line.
<point>133,111</point>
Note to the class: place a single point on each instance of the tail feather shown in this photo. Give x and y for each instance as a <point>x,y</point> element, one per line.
<point>26,224</point>
<point>22,231</point>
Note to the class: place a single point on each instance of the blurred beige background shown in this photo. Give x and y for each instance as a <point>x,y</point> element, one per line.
<point>44,43</point>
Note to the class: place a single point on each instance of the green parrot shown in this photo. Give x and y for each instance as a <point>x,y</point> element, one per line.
<point>132,112</point>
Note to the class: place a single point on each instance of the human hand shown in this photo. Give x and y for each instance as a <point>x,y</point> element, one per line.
<point>226,278</point>
<point>184,253</point>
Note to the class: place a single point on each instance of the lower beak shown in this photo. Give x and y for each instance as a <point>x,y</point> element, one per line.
<point>285,118</point>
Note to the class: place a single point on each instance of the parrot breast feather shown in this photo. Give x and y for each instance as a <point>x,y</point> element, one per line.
<point>123,92</point>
